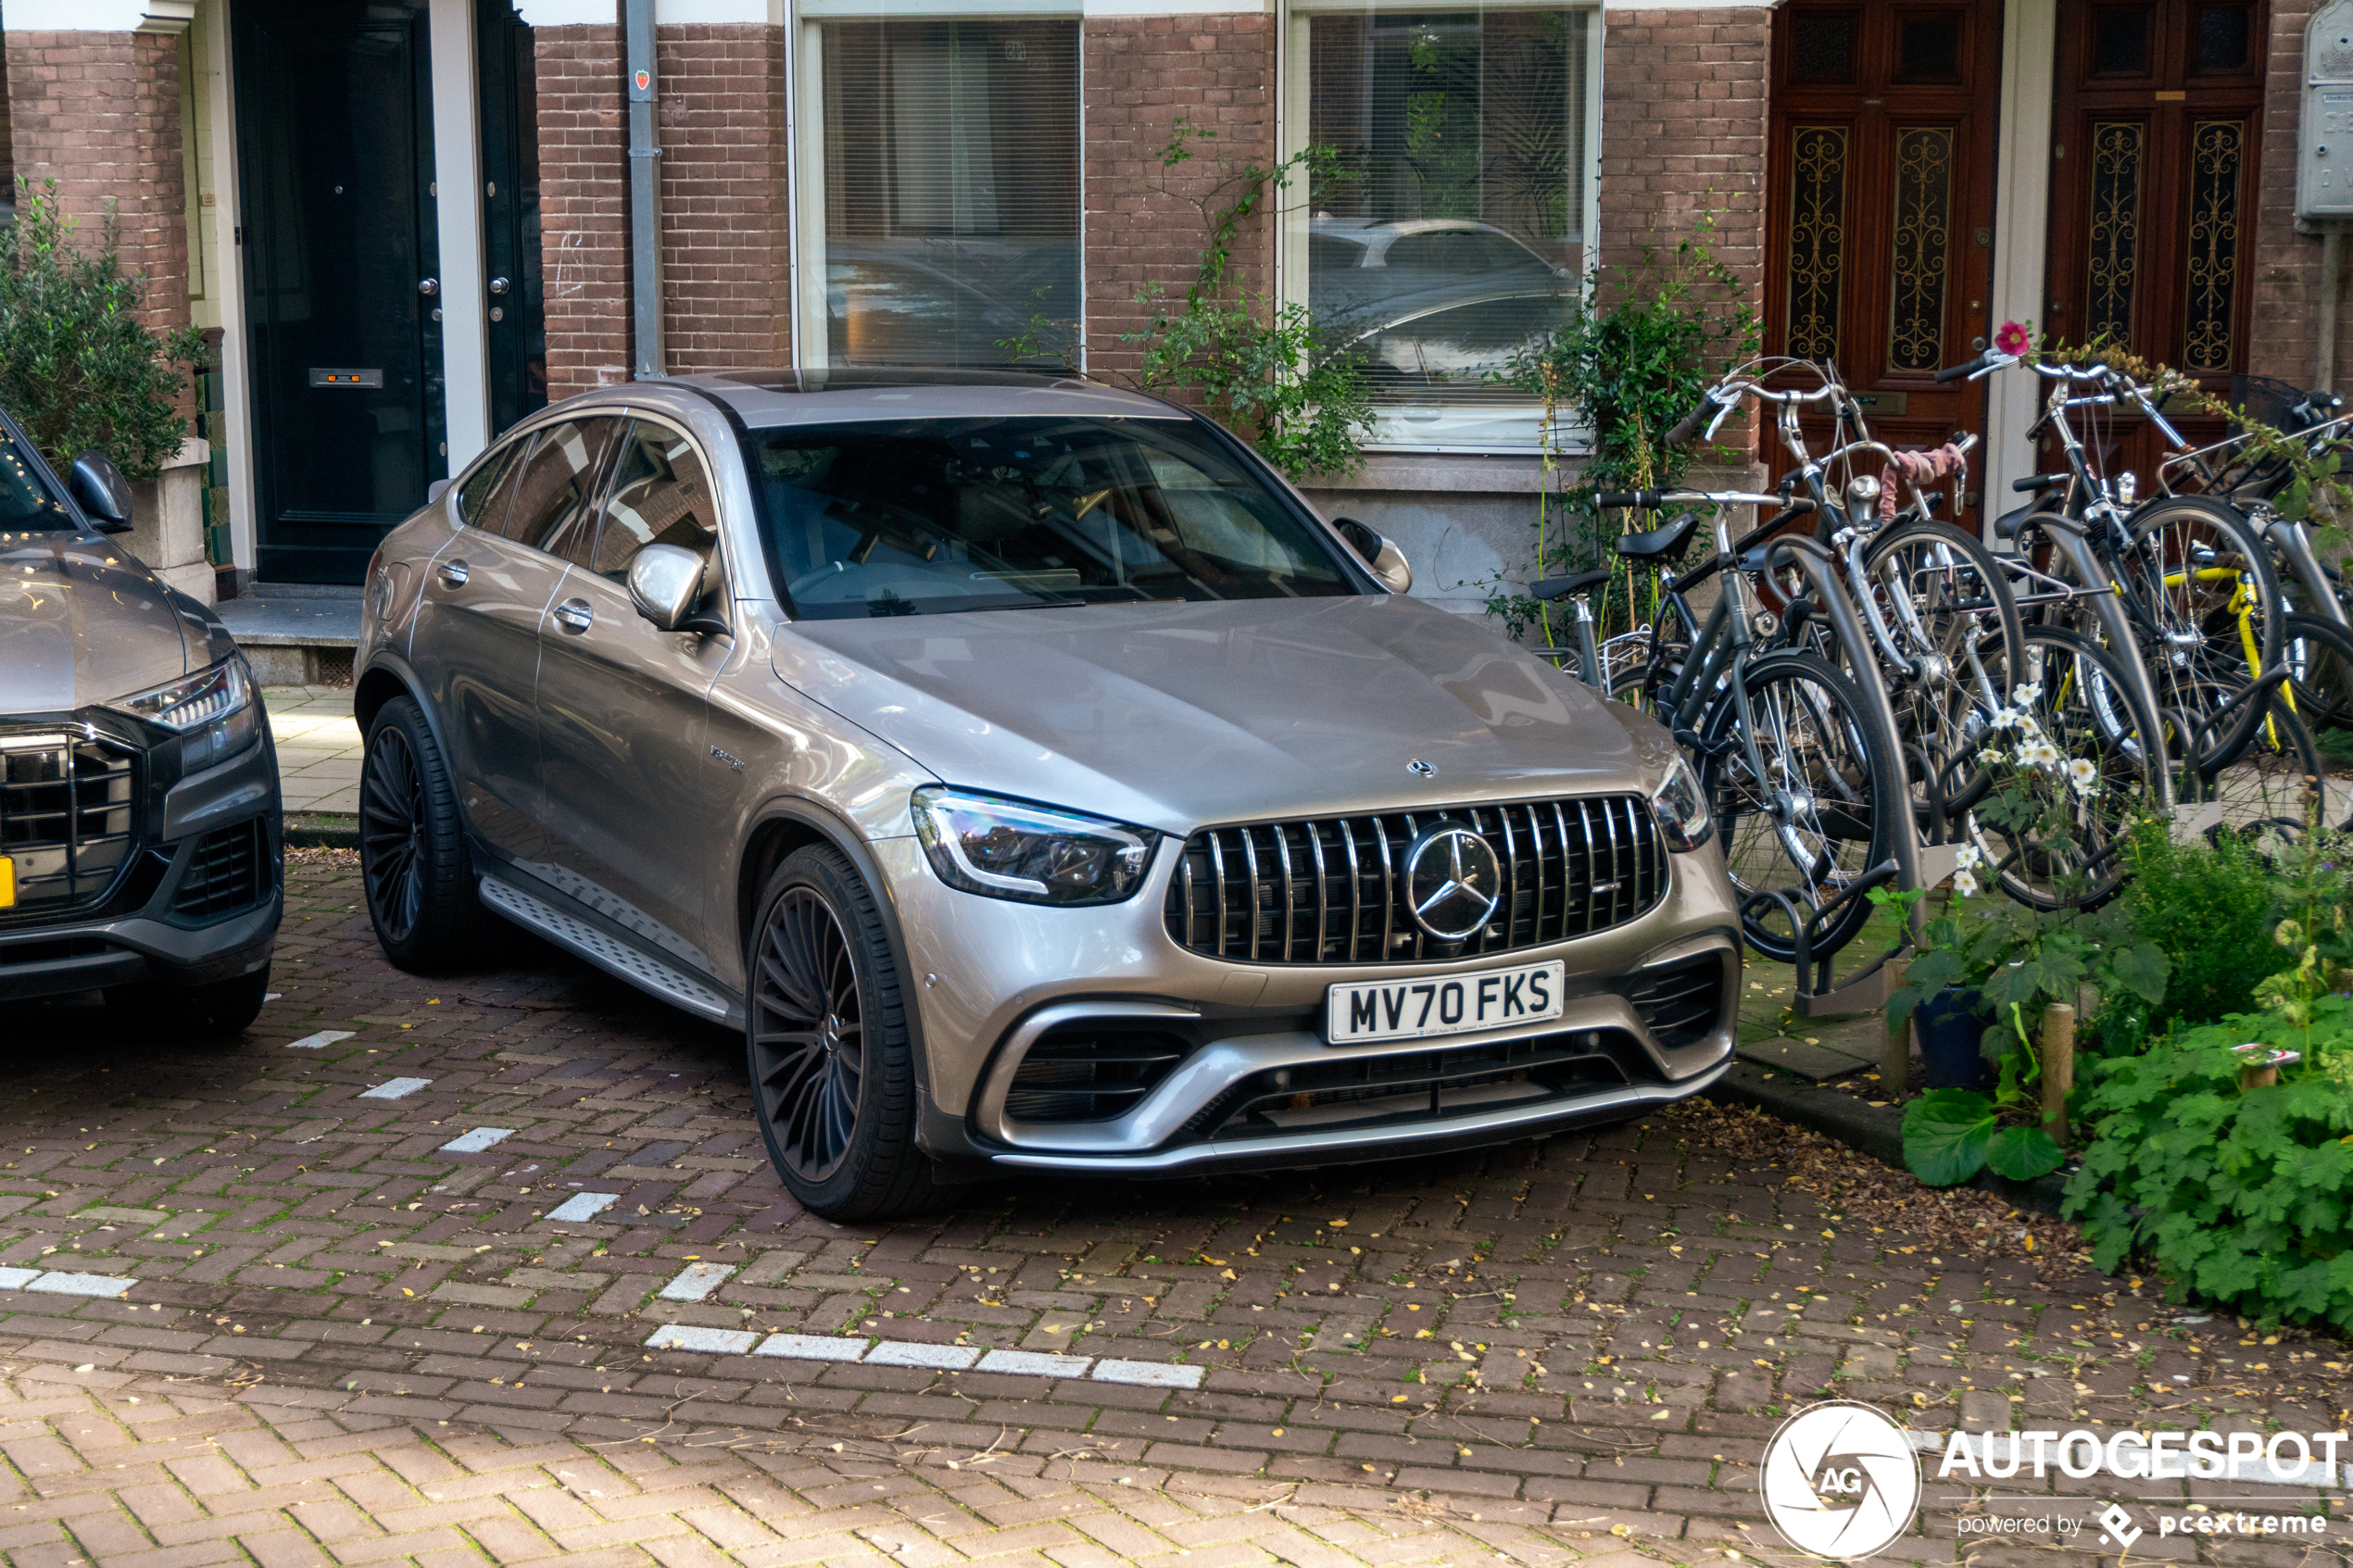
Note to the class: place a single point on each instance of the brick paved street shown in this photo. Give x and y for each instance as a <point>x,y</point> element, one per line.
<point>347,1343</point>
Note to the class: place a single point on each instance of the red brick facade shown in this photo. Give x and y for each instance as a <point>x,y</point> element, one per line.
<point>2286,271</point>
<point>99,113</point>
<point>726,278</point>
<point>584,206</point>
<point>1141,226</point>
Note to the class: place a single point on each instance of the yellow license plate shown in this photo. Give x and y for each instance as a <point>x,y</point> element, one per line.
<point>7,882</point>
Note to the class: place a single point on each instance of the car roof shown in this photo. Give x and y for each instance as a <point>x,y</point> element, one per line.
<point>771,399</point>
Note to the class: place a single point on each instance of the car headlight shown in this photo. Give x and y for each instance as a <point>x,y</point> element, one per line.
<point>1682,808</point>
<point>1034,854</point>
<point>214,709</point>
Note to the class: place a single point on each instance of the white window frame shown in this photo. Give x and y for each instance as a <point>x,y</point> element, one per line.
<point>1402,428</point>
<point>805,138</point>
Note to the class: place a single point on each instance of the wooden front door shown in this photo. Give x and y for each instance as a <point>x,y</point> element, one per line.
<point>2153,191</point>
<point>1881,202</point>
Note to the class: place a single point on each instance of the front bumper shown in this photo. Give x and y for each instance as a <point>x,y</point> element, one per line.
<point>1254,1085</point>
<point>165,918</point>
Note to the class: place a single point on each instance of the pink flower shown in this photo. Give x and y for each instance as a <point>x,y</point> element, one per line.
<point>2013,338</point>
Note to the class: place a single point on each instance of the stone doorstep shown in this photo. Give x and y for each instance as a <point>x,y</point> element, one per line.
<point>1816,1062</point>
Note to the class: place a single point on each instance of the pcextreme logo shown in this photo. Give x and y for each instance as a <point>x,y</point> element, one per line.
<point>1842,1481</point>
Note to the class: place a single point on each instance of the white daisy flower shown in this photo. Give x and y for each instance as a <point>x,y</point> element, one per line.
<point>2027,694</point>
<point>1969,857</point>
<point>1965,885</point>
<point>2082,775</point>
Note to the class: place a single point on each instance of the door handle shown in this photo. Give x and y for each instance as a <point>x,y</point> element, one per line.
<point>573,615</point>
<point>453,574</point>
<point>429,286</point>
<point>499,285</point>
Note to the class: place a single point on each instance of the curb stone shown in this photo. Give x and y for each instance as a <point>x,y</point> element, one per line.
<point>1875,1130</point>
<point>322,830</point>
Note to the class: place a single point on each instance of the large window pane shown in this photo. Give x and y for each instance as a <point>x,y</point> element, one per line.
<point>952,192</point>
<point>1450,234</point>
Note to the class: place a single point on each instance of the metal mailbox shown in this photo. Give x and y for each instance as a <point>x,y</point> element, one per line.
<point>2324,135</point>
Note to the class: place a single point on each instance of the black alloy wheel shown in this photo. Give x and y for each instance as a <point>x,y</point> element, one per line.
<point>828,1045</point>
<point>392,831</point>
<point>413,864</point>
<point>808,1034</point>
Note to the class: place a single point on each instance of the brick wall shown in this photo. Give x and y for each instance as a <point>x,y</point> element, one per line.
<point>1684,121</point>
<point>584,206</point>
<point>99,113</point>
<point>2284,339</point>
<point>1141,73</point>
<point>725,277</point>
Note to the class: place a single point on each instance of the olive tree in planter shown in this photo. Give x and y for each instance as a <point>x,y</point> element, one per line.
<point>79,368</point>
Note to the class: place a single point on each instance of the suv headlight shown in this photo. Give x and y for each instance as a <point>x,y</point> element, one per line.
<point>1682,808</point>
<point>214,709</point>
<point>1033,854</point>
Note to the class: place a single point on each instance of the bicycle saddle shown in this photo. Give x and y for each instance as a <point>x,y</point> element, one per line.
<point>1660,543</point>
<point>2009,523</point>
<point>1563,587</point>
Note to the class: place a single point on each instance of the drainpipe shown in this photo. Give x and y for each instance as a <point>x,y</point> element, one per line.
<point>645,192</point>
<point>2332,279</point>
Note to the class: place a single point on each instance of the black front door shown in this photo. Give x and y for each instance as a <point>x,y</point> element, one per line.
<point>518,330</point>
<point>334,143</point>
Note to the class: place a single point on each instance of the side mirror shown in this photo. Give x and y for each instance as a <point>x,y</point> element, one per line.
<point>99,489</point>
<point>664,583</point>
<point>1388,562</point>
<point>435,491</point>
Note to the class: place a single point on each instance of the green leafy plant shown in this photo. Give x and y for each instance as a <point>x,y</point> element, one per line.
<point>2241,1195</point>
<point>1263,366</point>
<point>2018,960</point>
<point>78,368</point>
<point>2208,903</point>
<point>1640,346</point>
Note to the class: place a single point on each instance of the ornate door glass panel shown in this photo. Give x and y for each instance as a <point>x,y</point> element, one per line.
<point>1817,239</point>
<point>2216,154</point>
<point>1823,47</point>
<point>2117,151</point>
<point>1921,256</point>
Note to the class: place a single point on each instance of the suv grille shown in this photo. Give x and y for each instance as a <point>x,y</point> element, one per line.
<point>1679,1004</point>
<point>226,874</point>
<point>1415,1086</point>
<point>1330,890</point>
<point>65,816</point>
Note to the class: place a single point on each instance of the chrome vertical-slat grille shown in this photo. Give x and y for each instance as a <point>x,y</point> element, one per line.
<point>1327,889</point>
<point>67,809</point>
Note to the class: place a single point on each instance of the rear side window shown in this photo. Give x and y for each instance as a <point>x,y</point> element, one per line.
<point>555,504</point>
<point>482,499</point>
<point>661,496</point>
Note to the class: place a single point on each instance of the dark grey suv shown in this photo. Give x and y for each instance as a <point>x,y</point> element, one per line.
<point>139,809</point>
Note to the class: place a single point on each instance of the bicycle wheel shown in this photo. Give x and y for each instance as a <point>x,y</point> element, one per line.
<point>2207,600</point>
<point>1811,811</point>
<point>1949,606</point>
<point>2266,783</point>
<point>2319,655</point>
<point>2053,836</point>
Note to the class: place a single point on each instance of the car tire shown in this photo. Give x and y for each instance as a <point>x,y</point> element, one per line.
<point>221,1010</point>
<point>413,864</point>
<point>827,1046</point>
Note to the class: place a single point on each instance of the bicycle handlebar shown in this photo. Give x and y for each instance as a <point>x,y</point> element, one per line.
<point>1688,426</point>
<point>1651,500</point>
<point>1956,372</point>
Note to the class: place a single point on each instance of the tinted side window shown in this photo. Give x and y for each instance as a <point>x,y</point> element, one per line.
<point>482,499</point>
<point>555,504</point>
<point>661,496</point>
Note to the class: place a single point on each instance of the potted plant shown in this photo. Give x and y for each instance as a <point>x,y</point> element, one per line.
<point>1987,969</point>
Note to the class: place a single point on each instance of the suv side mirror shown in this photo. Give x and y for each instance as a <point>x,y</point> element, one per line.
<point>1388,562</point>
<point>664,583</point>
<point>99,489</point>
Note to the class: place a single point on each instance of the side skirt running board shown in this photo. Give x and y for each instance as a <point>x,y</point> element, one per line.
<point>608,953</point>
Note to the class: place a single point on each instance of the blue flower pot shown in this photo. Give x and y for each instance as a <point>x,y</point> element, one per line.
<point>1948,1029</point>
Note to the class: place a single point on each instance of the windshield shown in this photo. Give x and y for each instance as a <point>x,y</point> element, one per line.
<point>25,501</point>
<point>927,517</point>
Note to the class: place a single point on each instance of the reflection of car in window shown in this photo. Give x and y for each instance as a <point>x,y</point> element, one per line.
<point>884,308</point>
<point>1349,258</point>
<point>1450,345</point>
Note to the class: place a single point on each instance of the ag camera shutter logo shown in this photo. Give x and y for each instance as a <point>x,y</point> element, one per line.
<point>1840,1481</point>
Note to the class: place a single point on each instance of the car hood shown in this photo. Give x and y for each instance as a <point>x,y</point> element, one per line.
<point>1177,716</point>
<point>83,622</point>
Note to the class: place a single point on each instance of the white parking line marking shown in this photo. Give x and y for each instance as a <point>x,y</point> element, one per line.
<point>812,1348</point>
<point>1032,1363</point>
<point>396,1089</point>
<point>584,1206</point>
<point>1149,1375</point>
<point>477,1140</point>
<point>719,1341</point>
<point>944,1357</point>
<point>911,1353</point>
<point>696,1281</point>
<point>324,1037</point>
<point>83,1285</point>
